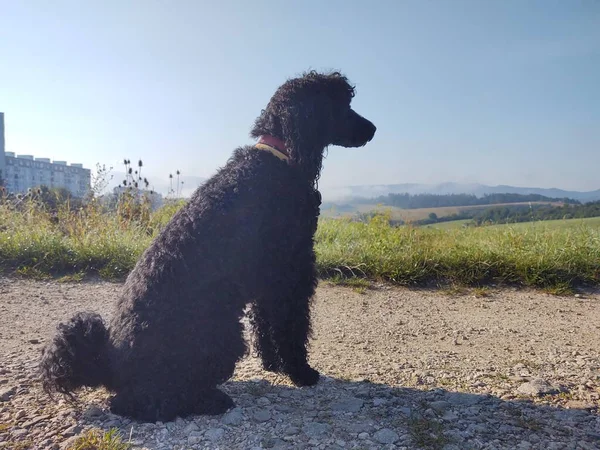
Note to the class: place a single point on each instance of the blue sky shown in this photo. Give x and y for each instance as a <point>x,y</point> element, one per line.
<point>496,92</point>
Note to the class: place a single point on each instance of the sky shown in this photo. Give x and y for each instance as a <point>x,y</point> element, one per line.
<point>493,92</point>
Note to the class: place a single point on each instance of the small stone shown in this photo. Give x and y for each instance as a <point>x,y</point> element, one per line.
<point>19,433</point>
<point>262,415</point>
<point>315,429</point>
<point>404,410</point>
<point>93,412</point>
<point>463,399</point>
<point>233,417</point>
<point>291,431</point>
<point>379,401</point>
<point>34,341</point>
<point>195,437</point>
<point>537,387</point>
<point>113,424</point>
<point>34,421</point>
<point>263,401</point>
<point>72,431</point>
<point>386,436</point>
<point>191,427</point>
<point>440,406</point>
<point>348,405</point>
<point>363,435</point>
<point>7,394</point>
<point>20,414</point>
<point>68,443</point>
<point>214,434</point>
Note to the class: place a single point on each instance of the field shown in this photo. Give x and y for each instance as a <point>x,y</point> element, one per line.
<point>553,256</point>
<point>409,215</point>
<point>592,222</point>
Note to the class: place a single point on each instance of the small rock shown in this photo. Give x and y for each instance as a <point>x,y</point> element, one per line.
<point>190,428</point>
<point>379,401</point>
<point>386,436</point>
<point>537,387</point>
<point>34,341</point>
<point>113,424</point>
<point>195,437</point>
<point>291,431</point>
<point>404,410</point>
<point>20,414</point>
<point>463,399</point>
<point>72,431</point>
<point>315,429</point>
<point>233,417</point>
<point>262,415</point>
<point>93,412</point>
<point>68,443</point>
<point>363,435</point>
<point>348,405</point>
<point>214,434</point>
<point>263,401</point>
<point>440,406</point>
<point>19,433</point>
<point>7,394</point>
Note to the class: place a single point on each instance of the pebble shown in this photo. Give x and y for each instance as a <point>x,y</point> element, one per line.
<point>7,394</point>
<point>537,387</point>
<point>315,429</point>
<point>262,415</point>
<point>348,405</point>
<point>214,434</point>
<point>233,417</point>
<point>386,436</point>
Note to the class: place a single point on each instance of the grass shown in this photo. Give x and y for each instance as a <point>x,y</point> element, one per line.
<point>411,215</point>
<point>98,440</point>
<point>591,222</point>
<point>551,256</point>
<point>426,433</point>
<point>532,256</point>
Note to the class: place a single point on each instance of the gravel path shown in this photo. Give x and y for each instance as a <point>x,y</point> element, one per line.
<point>403,369</point>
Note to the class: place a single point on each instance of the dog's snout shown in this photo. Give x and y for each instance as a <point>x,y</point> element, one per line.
<point>371,129</point>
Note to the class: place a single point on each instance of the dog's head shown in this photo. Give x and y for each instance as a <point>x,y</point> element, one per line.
<point>310,113</point>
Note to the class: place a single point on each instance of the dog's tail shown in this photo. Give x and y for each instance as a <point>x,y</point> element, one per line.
<point>77,355</point>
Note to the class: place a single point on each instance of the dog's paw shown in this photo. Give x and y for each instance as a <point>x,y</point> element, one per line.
<point>305,376</point>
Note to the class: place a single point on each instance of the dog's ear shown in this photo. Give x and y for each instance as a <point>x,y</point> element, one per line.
<point>308,128</point>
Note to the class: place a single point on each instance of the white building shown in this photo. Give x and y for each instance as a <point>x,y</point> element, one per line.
<point>22,172</point>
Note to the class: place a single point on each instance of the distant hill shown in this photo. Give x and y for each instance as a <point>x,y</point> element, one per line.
<point>372,191</point>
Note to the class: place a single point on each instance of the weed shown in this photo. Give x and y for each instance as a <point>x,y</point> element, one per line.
<point>98,440</point>
<point>426,433</point>
<point>481,291</point>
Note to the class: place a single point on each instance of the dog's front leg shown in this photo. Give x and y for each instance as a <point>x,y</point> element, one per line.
<point>286,308</point>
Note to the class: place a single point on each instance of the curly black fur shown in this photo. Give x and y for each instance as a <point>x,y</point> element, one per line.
<point>245,236</point>
<point>77,355</point>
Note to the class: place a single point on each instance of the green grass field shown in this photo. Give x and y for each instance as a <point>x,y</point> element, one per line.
<point>593,222</point>
<point>408,215</point>
<point>555,255</point>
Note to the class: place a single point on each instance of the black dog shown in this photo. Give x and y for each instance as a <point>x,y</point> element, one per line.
<point>245,236</point>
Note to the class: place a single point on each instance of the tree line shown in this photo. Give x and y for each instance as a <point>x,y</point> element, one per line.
<point>410,201</point>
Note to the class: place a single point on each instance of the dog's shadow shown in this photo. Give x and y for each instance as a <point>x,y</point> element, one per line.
<point>272,415</point>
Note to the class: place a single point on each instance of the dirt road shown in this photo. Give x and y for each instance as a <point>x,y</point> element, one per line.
<point>402,369</point>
